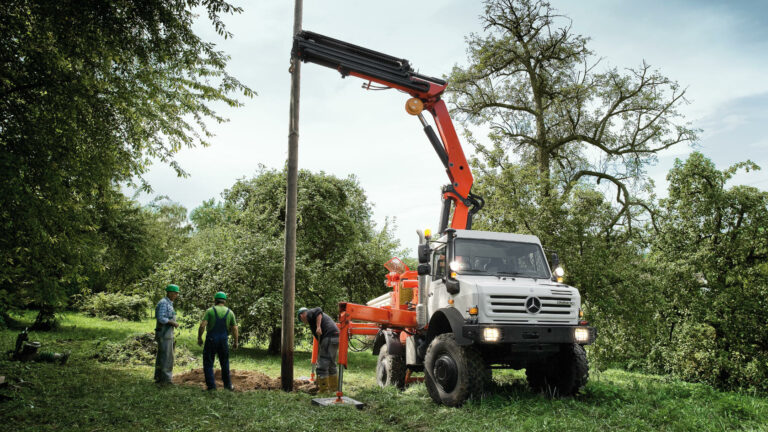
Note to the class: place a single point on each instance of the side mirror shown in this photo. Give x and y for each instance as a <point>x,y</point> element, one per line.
<point>423,252</point>
<point>452,286</point>
<point>554,260</point>
<point>424,269</point>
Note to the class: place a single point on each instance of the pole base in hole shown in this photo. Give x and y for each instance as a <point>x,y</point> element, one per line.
<point>333,401</point>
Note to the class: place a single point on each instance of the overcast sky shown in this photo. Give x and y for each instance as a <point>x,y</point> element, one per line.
<point>716,49</point>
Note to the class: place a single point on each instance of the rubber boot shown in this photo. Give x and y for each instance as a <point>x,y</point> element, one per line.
<point>333,383</point>
<point>322,385</point>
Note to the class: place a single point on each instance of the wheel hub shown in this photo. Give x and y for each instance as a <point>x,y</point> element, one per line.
<point>446,372</point>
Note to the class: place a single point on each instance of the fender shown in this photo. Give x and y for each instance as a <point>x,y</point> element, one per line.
<point>394,346</point>
<point>448,320</point>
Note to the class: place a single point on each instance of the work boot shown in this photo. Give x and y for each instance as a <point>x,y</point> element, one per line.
<point>333,383</point>
<point>322,384</point>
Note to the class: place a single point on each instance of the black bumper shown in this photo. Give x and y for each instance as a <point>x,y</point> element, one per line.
<point>533,334</point>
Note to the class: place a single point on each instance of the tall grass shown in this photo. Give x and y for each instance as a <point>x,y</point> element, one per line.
<point>91,396</point>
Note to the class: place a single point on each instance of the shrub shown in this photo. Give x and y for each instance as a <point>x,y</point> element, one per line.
<point>140,349</point>
<point>130,307</point>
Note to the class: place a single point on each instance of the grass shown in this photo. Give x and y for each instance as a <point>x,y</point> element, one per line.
<point>86,395</point>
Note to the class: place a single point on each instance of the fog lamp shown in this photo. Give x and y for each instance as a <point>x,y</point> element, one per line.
<point>491,334</point>
<point>581,335</point>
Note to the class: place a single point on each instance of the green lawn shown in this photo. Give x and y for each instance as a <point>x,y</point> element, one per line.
<point>86,395</point>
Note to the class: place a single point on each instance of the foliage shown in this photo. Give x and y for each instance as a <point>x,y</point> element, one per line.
<point>140,349</point>
<point>130,307</point>
<point>90,92</point>
<point>712,247</point>
<point>238,248</point>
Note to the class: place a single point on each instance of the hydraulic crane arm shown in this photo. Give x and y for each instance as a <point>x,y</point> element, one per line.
<point>425,91</point>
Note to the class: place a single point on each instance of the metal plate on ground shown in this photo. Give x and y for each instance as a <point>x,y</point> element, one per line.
<point>332,401</point>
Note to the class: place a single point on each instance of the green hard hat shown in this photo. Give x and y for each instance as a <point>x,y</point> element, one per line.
<point>220,295</point>
<point>301,311</point>
<point>172,288</point>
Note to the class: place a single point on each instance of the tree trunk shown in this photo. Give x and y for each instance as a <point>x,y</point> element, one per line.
<point>274,341</point>
<point>46,319</point>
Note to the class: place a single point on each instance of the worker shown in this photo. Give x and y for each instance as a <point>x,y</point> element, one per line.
<point>218,321</point>
<point>327,334</point>
<point>166,322</point>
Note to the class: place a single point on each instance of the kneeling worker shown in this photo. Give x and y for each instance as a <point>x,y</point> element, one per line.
<point>218,320</point>
<point>327,334</point>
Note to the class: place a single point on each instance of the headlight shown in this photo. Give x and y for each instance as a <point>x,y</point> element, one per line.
<point>491,334</point>
<point>455,265</point>
<point>581,334</point>
<point>559,272</point>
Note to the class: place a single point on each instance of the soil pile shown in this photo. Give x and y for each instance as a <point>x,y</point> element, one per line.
<point>243,381</point>
<point>140,349</point>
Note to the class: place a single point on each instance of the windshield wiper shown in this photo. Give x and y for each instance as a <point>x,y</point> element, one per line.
<point>471,271</point>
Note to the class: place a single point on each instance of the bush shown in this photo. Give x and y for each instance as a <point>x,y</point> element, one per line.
<point>140,349</point>
<point>130,307</point>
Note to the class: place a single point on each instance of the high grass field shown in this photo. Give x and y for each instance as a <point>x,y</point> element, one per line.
<point>88,395</point>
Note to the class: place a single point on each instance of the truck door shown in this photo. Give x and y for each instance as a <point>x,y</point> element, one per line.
<point>438,295</point>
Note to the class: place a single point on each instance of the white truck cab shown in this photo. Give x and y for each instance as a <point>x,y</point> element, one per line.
<point>491,301</point>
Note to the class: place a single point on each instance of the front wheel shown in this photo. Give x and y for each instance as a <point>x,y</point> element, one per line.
<point>562,375</point>
<point>453,374</point>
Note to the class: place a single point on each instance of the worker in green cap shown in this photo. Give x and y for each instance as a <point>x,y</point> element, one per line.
<point>166,322</point>
<point>217,321</point>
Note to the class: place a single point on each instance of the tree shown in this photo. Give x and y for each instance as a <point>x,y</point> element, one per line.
<point>238,248</point>
<point>90,93</point>
<point>711,251</point>
<point>535,84</point>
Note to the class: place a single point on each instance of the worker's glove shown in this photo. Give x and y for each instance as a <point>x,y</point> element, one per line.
<point>200,341</point>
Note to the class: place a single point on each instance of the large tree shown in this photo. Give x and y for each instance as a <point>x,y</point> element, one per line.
<point>90,93</point>
<point>711,254</point>
<point>556,115</point>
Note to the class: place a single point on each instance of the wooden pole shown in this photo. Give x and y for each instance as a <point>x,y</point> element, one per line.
<point>289,265</point>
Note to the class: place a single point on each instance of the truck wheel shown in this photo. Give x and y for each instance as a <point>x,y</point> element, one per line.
<point>390,369</point>
<point>563,375</point>
<point>452,373</point>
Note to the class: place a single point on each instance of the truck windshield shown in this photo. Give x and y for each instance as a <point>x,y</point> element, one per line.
<point>499,258</point>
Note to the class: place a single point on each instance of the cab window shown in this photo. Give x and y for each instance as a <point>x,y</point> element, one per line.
<point>438,263</point>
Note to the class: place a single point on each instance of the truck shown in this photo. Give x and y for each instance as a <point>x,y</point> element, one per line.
<point>478,300</point>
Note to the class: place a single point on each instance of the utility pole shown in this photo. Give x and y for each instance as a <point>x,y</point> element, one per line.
<point>289,265</point>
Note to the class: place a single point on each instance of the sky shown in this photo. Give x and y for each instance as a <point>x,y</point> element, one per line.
<point>715,49</point>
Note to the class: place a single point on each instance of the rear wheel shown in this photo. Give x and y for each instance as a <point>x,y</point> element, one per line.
<point>390,369</point>
<point>562,375</point>
<point>453,374</point>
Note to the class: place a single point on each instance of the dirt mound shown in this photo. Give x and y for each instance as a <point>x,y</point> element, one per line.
<point>243,381</point>
<point>139,349</point>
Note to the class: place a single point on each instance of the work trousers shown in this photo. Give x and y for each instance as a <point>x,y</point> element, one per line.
<point>216,345</point>
<point>164,361</point>
<point>327,354</point>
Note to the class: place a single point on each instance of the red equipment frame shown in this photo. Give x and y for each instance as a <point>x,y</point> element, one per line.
<point>395,73</point>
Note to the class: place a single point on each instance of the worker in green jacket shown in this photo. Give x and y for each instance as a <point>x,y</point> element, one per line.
<point>217,321</point>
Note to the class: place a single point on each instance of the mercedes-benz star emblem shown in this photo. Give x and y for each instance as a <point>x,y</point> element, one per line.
<point>533,305</point>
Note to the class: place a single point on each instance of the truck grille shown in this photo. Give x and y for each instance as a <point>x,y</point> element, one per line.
<point>559,302</point>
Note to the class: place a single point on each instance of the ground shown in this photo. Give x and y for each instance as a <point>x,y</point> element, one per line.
<point>89,395</point>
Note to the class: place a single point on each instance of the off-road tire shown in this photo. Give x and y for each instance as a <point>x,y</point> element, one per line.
<point>444,355</point>
<point>562,375</point>
<point>390,369</point>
